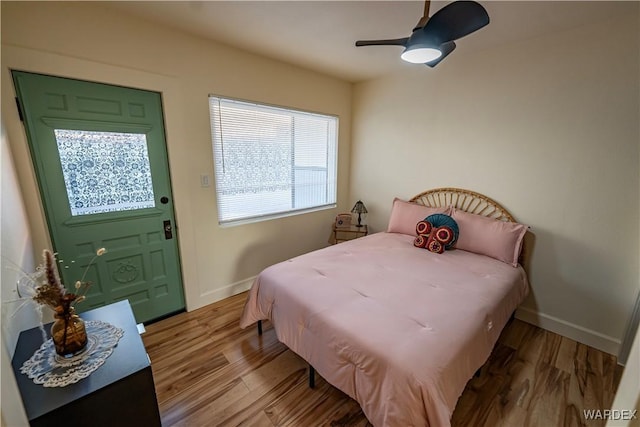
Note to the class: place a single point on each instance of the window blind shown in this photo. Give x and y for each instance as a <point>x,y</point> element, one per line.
<point>271,161</point>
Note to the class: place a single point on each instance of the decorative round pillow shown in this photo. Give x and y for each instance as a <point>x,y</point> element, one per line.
<point>434,246</point>
<point>420,241</point>
<point>444,234</point>
<point>438,221</point>
<point>423,227</point>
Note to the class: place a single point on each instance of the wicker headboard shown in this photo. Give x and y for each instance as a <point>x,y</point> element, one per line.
<point>465,200</point>
<point>476,203</point>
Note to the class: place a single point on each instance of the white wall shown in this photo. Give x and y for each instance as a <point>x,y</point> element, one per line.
<point>549,128</point>
<point>16,257</point>
<point>88,41</point>
<point>628,393</point>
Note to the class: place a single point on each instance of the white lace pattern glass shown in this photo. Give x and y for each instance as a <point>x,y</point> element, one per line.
<point>105,171</point>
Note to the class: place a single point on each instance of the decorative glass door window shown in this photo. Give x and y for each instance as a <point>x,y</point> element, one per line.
<point>105,171</point>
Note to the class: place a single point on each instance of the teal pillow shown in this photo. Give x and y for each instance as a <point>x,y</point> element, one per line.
<point>442,220</point>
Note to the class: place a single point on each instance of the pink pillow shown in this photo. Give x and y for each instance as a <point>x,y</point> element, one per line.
<point>491,237</point>
<point>405,216</point>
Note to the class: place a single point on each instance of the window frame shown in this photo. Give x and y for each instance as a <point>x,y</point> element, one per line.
<point>291,211</point>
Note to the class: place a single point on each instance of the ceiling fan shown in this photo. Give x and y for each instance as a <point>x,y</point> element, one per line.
<point>432,38</point>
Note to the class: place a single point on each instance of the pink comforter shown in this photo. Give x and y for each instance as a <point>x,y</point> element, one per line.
<point>399,329</point>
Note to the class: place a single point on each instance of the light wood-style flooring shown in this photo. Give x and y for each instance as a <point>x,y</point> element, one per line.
<point>209,372</point>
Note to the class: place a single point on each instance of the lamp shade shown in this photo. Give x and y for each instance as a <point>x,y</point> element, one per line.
<point>359,208</point>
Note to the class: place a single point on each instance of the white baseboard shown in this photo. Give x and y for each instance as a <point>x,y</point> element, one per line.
<point>567,329</point>
<point>226,292</point>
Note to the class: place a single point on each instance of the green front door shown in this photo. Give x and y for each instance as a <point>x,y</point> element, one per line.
<point>100,156</point>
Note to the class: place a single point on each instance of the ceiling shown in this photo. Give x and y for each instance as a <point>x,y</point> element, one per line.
<point>320,35</point>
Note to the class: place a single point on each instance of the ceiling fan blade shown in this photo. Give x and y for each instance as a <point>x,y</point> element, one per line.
<point>457,20</point>
<point>388,42</point>
<point>446,49</point>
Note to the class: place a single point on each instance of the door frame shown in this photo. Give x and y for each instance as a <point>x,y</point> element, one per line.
<point>45,233</point>
<point>51,63</point>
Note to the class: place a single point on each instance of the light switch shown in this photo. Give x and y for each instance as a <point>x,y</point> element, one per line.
<point>204,180</point>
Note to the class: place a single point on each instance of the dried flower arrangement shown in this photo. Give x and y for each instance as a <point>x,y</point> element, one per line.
<point>45,288</point>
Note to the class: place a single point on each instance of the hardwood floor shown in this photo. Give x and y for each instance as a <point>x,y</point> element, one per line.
<point>209,372</point>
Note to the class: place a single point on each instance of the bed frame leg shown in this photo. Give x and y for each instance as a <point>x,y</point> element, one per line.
<point>312,377</point>
<point>259,327</point>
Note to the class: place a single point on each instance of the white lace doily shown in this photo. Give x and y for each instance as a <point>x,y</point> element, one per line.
<point>46,367</point>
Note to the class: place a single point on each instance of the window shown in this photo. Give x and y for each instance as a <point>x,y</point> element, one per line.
<point>271,161</point>
<point>105,171</point>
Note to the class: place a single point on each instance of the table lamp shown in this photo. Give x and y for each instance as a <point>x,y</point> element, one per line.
<point>359,208</point>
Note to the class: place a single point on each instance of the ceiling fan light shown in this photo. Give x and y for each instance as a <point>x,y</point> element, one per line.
<point>420,55</point>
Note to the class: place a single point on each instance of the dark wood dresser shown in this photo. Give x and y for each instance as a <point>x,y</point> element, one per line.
<point>120,393</point>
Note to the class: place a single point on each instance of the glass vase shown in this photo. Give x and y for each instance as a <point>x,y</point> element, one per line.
<point>68,332</point>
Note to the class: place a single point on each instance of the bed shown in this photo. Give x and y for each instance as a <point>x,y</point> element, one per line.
<point>398,328</point>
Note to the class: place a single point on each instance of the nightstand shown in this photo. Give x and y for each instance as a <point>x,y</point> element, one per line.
<point>121,392</point>
<point>348,233</point>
